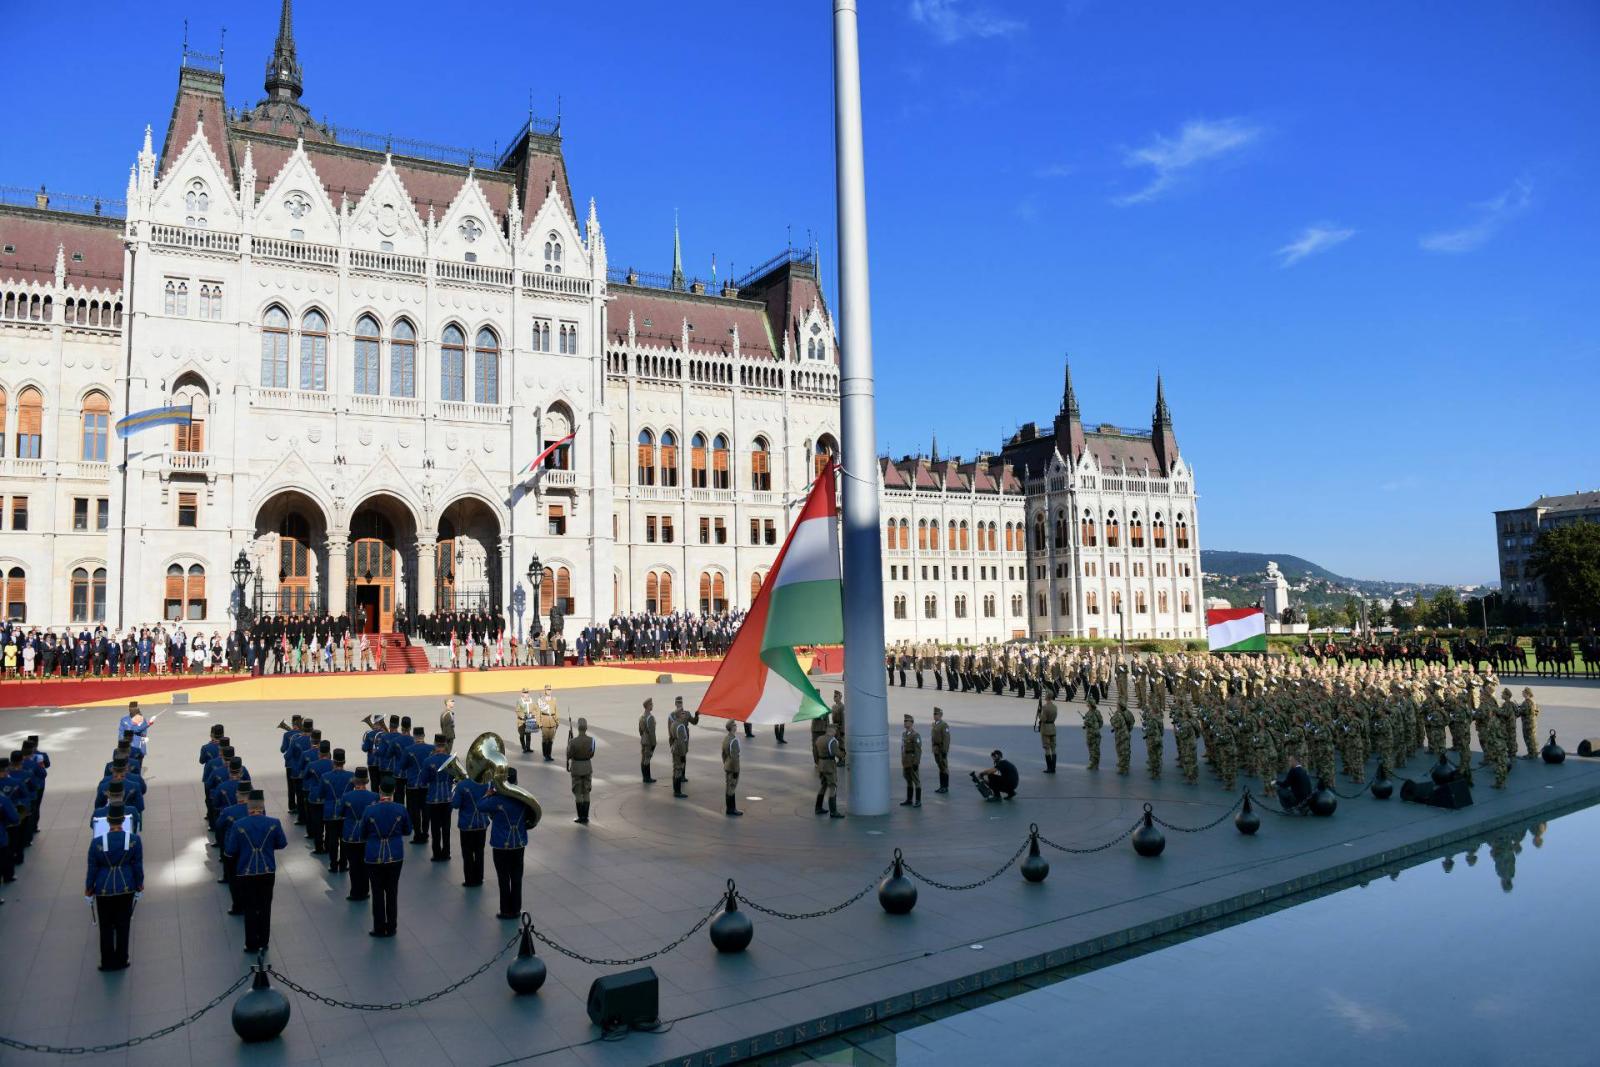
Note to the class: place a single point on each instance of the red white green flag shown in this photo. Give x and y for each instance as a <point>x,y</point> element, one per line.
<point>1236,629</point>
<point>536,462</point>
<point>800,603</point>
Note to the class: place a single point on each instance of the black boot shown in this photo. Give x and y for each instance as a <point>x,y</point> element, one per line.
<point>677,787</point>
<point>1049,764</point>
<point>583,814</point>
<point>645,769</point>
<point>833,809</point>
<point>944,782</point>
<point>906,803</point>
<point>731,809</point>
<point>546,745</point>
<point>820,809</point>
<point>918,802</point>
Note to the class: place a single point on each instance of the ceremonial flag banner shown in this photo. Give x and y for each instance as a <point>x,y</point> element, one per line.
<point>153,417</point>
<point>533,465</point>
<point>800,603</point>
<point>1236,629</point>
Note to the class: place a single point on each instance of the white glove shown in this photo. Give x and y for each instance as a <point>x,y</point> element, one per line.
<point>138,896</point>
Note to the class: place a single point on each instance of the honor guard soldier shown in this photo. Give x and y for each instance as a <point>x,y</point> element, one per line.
<point>941,749</point>
<point>11,826</point>
<point>508,838</point>
<point>311,797</point>
<point>730,768</point>
<point>353,854</point>
<point>437,786</point>
<point>819,732</point>
<point>678,740</point>
<point>252,844</point>
<point>830,757</point>
<point>549,717</point>
<point>370,741</point>
<point>384,827</point>
<point>1044,721</point>
<point>114,883</point>
<point>226,817</point>
<point>332,786</point>
<point>647,739</point>
<point>447,723</point>
<point>416,768</point>
<point>211,748</point>
<point>394,766</point>
<point>473,825</point>
<point>911,763</point>
<point>836,715</point>
<point>525,720</point>
<point>580,764</point>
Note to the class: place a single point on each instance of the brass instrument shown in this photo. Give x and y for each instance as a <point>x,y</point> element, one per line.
<point>284,726</point>
<point>485,763</point>
<point>372,722</point>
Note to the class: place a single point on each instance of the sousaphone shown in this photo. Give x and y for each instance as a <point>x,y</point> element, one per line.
<point>485,763</point>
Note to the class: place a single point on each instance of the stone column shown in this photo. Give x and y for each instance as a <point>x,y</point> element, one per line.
<point>427,559</point>
<point>338,553</point>
<point>504,603</point>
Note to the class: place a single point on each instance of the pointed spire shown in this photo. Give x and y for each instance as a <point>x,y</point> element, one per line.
<point>933,452</point>
<point>1069,399</point>
<point>1070,442</point>
<point>677,254</point>
<point>284,78</point>
<point>1163,416</point>
<point>1161,433</point>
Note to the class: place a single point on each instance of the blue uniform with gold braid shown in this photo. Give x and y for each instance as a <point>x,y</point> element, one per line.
<point>508,837</point>
<point>253,843</point>
<point>384,827</point>
<point>473,824</point>
<point>115,877</point>
<point>352,806</point>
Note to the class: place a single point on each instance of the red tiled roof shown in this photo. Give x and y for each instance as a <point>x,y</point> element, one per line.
<point>658,316</point>
<point>37,234</point>
<point>986,475</point>
<point>351,171</point>
<point>197,105</point>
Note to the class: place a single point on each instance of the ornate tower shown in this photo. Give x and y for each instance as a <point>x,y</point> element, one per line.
<point>284,80</point>
<point>1161,435</point>
<point>1069,421</point>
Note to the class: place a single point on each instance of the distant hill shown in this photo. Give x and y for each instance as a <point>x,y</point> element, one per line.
<point>1231,564</point>
<point>1237,576</point>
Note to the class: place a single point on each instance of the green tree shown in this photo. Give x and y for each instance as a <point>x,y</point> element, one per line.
<point>1446,608</point>
<point>1567,560</point>
<point>1352,611</point>
<point>1400,616</point>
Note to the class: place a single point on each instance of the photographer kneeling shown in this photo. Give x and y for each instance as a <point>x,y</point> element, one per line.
<point>998,782</point>
<point>1294,788</point>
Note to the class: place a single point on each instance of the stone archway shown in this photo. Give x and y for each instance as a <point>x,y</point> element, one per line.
<point>380,563</point>
<point>290,556</point>
<point>467,573</point>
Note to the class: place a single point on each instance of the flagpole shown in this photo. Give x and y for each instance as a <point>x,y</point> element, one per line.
<point>866,700</point>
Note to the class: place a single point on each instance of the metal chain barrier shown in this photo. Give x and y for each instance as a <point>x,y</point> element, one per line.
<point>1093,848</point>
<point>96,1050</point>
<point>1159,821</point>
<point>335,1002</point>
<point>1265,805</point>
<point>869,887</point>
<point>1004,867</point>
<point>662,951</point>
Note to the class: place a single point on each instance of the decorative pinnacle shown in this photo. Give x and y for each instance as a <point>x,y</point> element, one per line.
<point>1069,399</point>
<point>284,78</point>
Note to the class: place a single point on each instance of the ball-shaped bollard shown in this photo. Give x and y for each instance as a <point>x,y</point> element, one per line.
<point>262,1013</point>
<point>1035,868</point>
<point>1247,821</point>
<point>731,931</point>
<point>1323,802</point>
<point>1382,788</point>
<point>897,893</point>
<point>526,973</point>
<point>1552,752</point>
<point>1147,840</point>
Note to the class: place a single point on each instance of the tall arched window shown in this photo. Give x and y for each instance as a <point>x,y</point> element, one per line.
<point>1091,603</point>
<point>1113,530</point>
<point>275,349</point>
<point>647,458</point>
<point>563,595</point>
<point>552,254</point>
<point>652,592</point>
<point>190,391</point>
<point>14,595</point>
<point>891,535</point>
<point>930,607</point>
<point>964,536</point>
<point>486,368</point>
<point>185,592</point>
<point>1158,532</point>
<point>905,533</point>
<point>755,586</point>
<point>721,476</point>
<point>403,360</point>
<point>697,461</point>
<point>96,421</point>
<point>1180,530</point>
<point>1116,602</point>
<point>30,424</point>
<point>933,535</point>
<point>1161,601</point>
<point>669,458</point>
<point>826,449</point>
<point>1038,532</point>
<point>1088,530</point>
<point>314,352</point>
<point>922,534</point>
<point>1135,530</point>
<point>3,409</point>
<point>196,202</point>
<point>760,466</point>
<point>453,364</point>
<point>1140,606</point>
<point>900,607</point>
<point>294,565</point>
<point>367,355</point>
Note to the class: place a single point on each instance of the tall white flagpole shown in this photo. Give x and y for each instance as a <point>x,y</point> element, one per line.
<point>866,700</point>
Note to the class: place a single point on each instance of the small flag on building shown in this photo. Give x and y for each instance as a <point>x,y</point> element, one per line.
<point>800,603</point>
<point>1236,629</point>
<point>534,464</point>
<point>153,417</point>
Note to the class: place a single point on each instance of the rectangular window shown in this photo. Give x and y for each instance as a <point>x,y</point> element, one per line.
<point>771,531</point>
<point>721,531</point>
<point>453,373</point>
<point>666,529</point>
<point>649,529</point>
<point>102,514</point>
<point>541,335</point>
<point>755,531</point>
<point>94,436</point>
<point>19,513</point>
<point>188,510</point>
<point>558,519</point>
<point>80,516</point>
<point>705,530</point>
<point>80,601</point>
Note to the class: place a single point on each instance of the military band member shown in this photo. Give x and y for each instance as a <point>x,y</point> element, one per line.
<point>580,765</point>
<point>438,785</point>
<point>1044,721</point>
<point>730,769</point>
<point>830,757</point>
<point>549,717</point>
<point>384,827</point>
<point>415,764</point>
<point>525,720</point>
<point>508,839</point>
<point>473,825</point>
<point>311,784</point>
<point>253,844</point>
<point>113,883</point>
<point>911,763</point>
<point>352,810</point>
<point>134,723</point>
<point>647,739</point>
<point>332,786</point>
<point>941,749</point>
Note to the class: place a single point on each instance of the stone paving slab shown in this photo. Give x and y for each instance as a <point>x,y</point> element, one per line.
<point>647,869</point>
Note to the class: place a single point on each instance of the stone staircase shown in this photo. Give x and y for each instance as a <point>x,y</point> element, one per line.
<point>399,655</point>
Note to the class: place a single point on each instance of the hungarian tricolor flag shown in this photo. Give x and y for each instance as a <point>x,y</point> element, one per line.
<point>533,464</point>
<point>1236,629</point>
<point>800,603</point>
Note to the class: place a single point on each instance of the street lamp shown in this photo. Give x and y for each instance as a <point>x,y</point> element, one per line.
<point>535,576</point>
<point>241,575</point>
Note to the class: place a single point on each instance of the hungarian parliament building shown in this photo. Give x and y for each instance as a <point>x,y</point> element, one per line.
<point>377,337</point>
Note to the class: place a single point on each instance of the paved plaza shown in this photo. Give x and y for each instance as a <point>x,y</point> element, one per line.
<point>647,869</point>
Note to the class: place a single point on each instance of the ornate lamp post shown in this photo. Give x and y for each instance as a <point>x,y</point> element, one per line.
<point>241,575</point>
<point>535,576</point>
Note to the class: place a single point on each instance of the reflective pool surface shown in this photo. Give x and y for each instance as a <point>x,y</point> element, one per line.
<point>1482,955</point>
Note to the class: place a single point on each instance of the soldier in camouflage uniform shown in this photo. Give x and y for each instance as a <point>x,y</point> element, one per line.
<point>1154,728</point>
<point>1093,723</point>
<point>1528,712</point>
<point>911,763</point>
<point>1044,721</point>
<point>941,749</point>
<point>1459,708</point>
<point>1183,732</point>
<point>1223,749</point>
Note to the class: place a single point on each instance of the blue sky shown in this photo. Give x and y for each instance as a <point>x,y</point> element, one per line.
<point>1361,242</point>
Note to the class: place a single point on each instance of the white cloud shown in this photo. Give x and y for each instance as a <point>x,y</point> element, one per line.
<point>1055,170</point>
<point>1199,141</point>
<point>1493,214</point>
<point>1318,237</point>
<point>950,21</point>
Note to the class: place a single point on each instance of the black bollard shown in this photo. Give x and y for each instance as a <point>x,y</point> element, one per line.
<point>1247,821</point>
<point>897,893</point>
<point>1147,840</point>
<point>262,1013</point>
<point>731,931</point>
<point>1035,868</point>
<point>1552,752</point>
<point>1323,802</point>
<point>526,973</point>
<point>1382,788</point>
